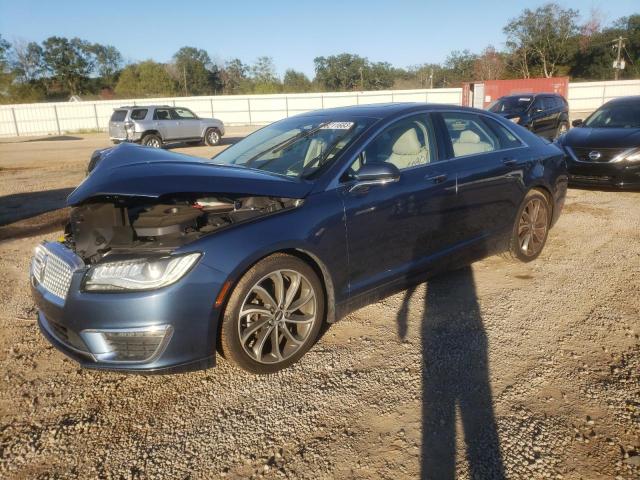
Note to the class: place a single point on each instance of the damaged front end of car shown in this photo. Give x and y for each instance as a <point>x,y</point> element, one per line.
<point>111,292</point>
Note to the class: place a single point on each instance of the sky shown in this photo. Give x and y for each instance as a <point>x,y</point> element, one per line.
<point>292,32</point>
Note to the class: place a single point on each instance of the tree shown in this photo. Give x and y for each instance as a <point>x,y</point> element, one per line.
<point>489,65</point>
<point>295,82</point>
<point>145,79</point>
<point>27,61</point>
<point>68,61</point>
<point>108,62</point>
<point>460,66</point>
<point>378,76</point>
<point>192,71</point>
<point>542,36</point>
<point>340,72</point>
<point>234,76</point>
<point>4,54</point>
<point>594,59</point>
<point>263,75</point>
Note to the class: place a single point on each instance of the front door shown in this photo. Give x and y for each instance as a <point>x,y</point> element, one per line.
<point>188,123</point>
<point>392,229</point>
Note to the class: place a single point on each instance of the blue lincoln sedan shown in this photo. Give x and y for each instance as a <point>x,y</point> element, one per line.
<point>169,259</point>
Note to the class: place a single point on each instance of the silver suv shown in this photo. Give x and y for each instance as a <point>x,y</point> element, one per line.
<point>156,125</point>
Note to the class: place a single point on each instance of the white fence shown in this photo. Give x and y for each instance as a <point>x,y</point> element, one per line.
<point>61,117</point>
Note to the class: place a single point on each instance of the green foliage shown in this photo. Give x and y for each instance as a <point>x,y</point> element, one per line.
<point>70,61</point>
<point>108,62</point>
<point>542,38</point>
<point>145,79</point>
<point>295,82</point>
<point>191,70</point>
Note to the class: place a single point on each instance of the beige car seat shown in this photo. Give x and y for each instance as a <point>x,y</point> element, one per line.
<point>469,144</point>
<point>407,151</point>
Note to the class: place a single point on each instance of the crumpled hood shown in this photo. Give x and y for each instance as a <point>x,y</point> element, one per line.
<point>584,137</point>
<point>132,171</point>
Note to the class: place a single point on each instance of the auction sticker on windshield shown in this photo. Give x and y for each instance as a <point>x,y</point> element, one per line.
<point>337,126</point>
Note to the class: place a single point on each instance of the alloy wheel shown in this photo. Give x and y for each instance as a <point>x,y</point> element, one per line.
<point>153,143</point>
<point>213,137</point>
<point>277,316</point>
<point>532,227</point>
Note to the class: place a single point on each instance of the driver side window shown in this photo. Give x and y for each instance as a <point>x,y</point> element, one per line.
<point>408,143</point>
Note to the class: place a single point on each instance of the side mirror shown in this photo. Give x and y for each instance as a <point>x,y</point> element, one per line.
<point>375,174</point>
<point>577,123</point>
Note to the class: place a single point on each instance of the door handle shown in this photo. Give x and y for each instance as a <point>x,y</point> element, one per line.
<point>509,161</point>
<point>437,178</point>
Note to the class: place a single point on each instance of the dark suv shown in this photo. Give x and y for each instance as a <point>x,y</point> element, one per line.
<point>545,114</point>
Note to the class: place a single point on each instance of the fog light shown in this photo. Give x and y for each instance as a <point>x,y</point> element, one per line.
<point>127,345</point>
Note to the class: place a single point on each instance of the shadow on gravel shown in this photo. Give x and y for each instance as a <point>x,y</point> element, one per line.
<point>455,379</point>
<point>224,141</point>
<point>20,206</point>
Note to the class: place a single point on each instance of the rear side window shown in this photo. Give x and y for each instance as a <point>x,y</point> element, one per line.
<point>506,137</point>
<point>469,134</point>
<point>118,115</point>
<point>139,114</point>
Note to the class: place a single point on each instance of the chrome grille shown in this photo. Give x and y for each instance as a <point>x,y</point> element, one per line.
<point>597,155</point>
<point>53,266</point>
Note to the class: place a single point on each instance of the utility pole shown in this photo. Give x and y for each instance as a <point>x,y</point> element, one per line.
<point>619,64</point>
<point>184,76</point>
<point>361,80</point>
<point>431,78</point>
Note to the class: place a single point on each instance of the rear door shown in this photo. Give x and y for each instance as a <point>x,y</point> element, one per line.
<point>486,161</point>
<point>188,124</point>
<point>116,124</point>
<point>166,125</point>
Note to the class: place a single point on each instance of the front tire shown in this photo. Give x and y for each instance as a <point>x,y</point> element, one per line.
<point>212,137</point>
<point>531,228</point>
<point>273,315</point>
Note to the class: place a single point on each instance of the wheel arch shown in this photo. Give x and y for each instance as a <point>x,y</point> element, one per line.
<point>306,256</point>
<point>150,132</point>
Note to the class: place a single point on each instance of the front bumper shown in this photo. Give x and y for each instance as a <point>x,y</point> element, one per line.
<point>170,329</point>
<point>604,174</point>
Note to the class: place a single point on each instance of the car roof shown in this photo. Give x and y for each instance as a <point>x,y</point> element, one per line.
<point>546,94</point>
<point>384,110</point>
<point>631,98</point>
<point>129,107</point>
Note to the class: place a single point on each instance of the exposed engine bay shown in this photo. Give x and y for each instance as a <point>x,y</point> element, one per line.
<point>128,225</point>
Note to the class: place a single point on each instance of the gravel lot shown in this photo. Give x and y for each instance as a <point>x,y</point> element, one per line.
<point>524,371</point>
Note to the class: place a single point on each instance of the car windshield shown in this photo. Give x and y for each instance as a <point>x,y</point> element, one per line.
<point>617,115</point>
<point>296,147</point>
<point>511,104</point>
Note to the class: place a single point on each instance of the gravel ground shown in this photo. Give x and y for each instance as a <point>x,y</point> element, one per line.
<point>500,369</point>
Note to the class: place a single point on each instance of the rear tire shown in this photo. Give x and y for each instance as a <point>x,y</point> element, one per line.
<point>273,315</point>
<point>212,137</point>
<point>531,228</point>
<point>151,140</point>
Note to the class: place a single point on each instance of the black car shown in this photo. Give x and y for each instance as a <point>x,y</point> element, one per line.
<point>545,114</point>
<point>605,150</point>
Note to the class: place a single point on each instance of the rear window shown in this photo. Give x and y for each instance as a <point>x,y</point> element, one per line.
<point>139,114</point>
<point>118,116</point>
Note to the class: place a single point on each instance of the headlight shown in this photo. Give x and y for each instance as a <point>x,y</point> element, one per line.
<point>515,119</point>
<point>632,155</point>
<point>140,273</point>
